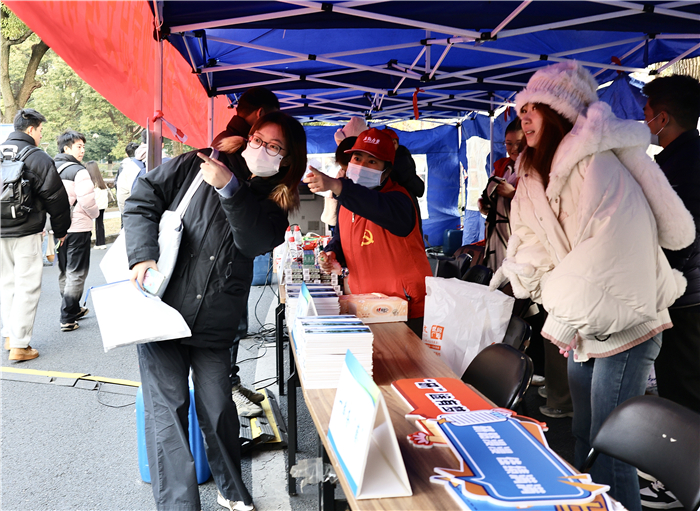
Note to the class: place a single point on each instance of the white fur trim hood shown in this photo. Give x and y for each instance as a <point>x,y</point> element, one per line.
<point>597,130</point>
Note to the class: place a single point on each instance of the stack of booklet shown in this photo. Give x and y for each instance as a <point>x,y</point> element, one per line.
<point>325,298</point>
<point>321,343</point>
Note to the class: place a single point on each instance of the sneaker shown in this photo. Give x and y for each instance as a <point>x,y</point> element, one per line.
<point>654,495</point>
<point>21,354</point>
<point>542,391</point>
<point>555,413</point>
<point>537,380</point>
<point>255,397</point>
<point>69,327</point>
<point>233,505</point>
<point>83,312</point>
<point>245,407</point>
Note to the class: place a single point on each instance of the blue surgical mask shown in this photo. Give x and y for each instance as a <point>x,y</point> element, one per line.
<point>655,136</point>
<point>364,176</point>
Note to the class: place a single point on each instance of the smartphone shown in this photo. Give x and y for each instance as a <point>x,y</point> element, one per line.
<point>152,281</point>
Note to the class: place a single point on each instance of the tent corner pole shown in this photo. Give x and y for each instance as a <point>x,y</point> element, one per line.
<point>210,120</point>
<point>155,151</point>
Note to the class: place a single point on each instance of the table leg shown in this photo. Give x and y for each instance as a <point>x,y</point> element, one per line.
<point>292,385</point>
<point>279,340</point>
<point>326,490</point>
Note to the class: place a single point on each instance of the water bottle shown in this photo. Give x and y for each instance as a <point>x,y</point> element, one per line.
<point>298,242</point>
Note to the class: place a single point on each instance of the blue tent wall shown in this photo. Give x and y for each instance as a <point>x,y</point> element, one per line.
<point>441,147</point>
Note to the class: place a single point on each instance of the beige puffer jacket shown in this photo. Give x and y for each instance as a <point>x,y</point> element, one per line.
<point>588,248</point>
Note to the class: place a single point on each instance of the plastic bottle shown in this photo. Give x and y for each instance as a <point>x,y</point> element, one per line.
<point>298,242</point>
<point>291,244</point>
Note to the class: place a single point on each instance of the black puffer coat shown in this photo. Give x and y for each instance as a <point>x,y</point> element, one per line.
<point>680,161</point>
<point>221,237</point>
<point>49,194</point>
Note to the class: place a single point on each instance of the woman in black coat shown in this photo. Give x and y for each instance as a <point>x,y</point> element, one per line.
<point>239,212</point>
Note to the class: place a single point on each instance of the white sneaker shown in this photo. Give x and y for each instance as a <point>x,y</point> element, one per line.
<point>254,396</point>
<point>232,505</point>
<point>654,494</point>
<point>245,407</point>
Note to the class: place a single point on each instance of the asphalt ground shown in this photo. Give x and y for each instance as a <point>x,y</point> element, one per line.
<point>70,444</point>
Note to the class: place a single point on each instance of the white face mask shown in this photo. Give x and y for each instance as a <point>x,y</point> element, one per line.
<point>364,176</point>
<point>655,136</point>
<point>260,163</point>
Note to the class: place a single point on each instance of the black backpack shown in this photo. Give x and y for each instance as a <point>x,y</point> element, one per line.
<point>17,199</point>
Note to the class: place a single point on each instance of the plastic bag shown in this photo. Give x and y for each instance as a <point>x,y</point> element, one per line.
<point>127,316</point>
<point>462,318</point>
<point>313,471</point>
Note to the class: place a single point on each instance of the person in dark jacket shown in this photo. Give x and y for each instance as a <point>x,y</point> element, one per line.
<point>672,112</point>
<point>20,241</point>
<point>239,212</point>
<point>253,104</point>
<point>377,235</point>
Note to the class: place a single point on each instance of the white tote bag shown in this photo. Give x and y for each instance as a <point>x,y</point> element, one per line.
<point>126,316</point>
<point>462,318</point>
<point>115,263</point>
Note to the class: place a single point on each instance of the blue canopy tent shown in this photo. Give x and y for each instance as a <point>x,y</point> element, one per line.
<point>387,61</point>
<point>384,60</point>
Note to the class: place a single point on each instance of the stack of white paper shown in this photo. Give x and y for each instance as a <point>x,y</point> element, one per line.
<point>325,299</point>
<point>321,343</point>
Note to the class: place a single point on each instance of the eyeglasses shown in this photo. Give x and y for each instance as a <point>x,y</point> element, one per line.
<point>270,147</point>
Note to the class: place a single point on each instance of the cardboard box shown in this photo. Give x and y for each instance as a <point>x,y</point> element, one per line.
<point>375,307</point>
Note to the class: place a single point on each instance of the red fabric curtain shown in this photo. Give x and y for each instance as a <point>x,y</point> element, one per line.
<point>110,45</point>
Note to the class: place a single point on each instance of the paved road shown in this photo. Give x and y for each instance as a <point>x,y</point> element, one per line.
<point>68,448</point>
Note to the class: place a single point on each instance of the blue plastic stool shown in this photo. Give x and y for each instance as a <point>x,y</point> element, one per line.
<point>201,464</point>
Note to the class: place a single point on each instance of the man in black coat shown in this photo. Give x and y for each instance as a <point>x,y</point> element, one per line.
<point>20,239</point>
<point>672,113</point>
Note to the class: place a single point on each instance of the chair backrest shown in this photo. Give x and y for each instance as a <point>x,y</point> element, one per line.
<point>659,437</point>
<point>452,267</point>
<point>501,373</point>
<point>478,274</point>
<point>518,333</point>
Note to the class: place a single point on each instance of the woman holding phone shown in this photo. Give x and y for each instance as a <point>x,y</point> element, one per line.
<point>239,212</point>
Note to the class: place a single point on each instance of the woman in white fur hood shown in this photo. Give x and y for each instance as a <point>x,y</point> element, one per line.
<point>590,215</point>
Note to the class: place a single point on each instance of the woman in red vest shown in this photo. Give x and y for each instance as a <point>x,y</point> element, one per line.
<point>377,236</point>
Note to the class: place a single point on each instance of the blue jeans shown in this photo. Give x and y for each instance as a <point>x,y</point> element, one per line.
<point>598,386</point>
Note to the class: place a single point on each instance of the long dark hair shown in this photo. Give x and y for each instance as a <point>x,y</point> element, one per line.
<point>554,128</point>
<point>95,174</point>
<point>286,193</point>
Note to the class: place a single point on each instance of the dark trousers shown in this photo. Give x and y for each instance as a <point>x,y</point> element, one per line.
<point>73,264</point>
<point>100,229</point>
<point>165,367</point>
<point>241,333</point>
<point>556,378</point>
<point>678,364</point>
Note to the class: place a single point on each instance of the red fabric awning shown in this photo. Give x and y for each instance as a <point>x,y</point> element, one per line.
<point>110,45</point>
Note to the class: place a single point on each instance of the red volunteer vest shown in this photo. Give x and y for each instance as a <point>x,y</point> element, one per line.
<point>381,262</point>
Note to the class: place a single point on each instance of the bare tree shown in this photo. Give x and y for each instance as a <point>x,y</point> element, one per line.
<point>13,33</point>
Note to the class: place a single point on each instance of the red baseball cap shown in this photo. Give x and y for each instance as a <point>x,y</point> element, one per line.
<point>375,142</point>
<point>391,133</point>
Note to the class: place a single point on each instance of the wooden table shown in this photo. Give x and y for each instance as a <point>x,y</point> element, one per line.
<point>398,354</point>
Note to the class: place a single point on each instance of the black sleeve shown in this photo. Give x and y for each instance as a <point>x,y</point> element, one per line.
<point>51,192</point>
<point>393,211</point>
<point>151,195</point>
<point>334,244</point>
<point>258,224</point>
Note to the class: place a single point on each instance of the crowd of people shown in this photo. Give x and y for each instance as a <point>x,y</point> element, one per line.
<point>579,219</point>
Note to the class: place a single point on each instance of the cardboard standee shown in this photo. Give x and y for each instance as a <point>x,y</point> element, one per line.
<point>362,437</point>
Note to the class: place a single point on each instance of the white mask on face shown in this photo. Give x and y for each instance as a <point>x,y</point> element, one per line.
<point>364,176</point>
<point>655,136</point>
<point>260,163</point>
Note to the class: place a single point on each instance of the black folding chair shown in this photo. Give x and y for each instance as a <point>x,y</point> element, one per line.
<point>501,373</point>
<point>518,333</point>
<point>478,274</point>
<point>659,437</point>
<point>452,267</point>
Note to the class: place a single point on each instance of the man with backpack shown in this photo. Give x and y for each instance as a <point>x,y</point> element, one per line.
<point>74,252</point>
<point>25,202</point>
